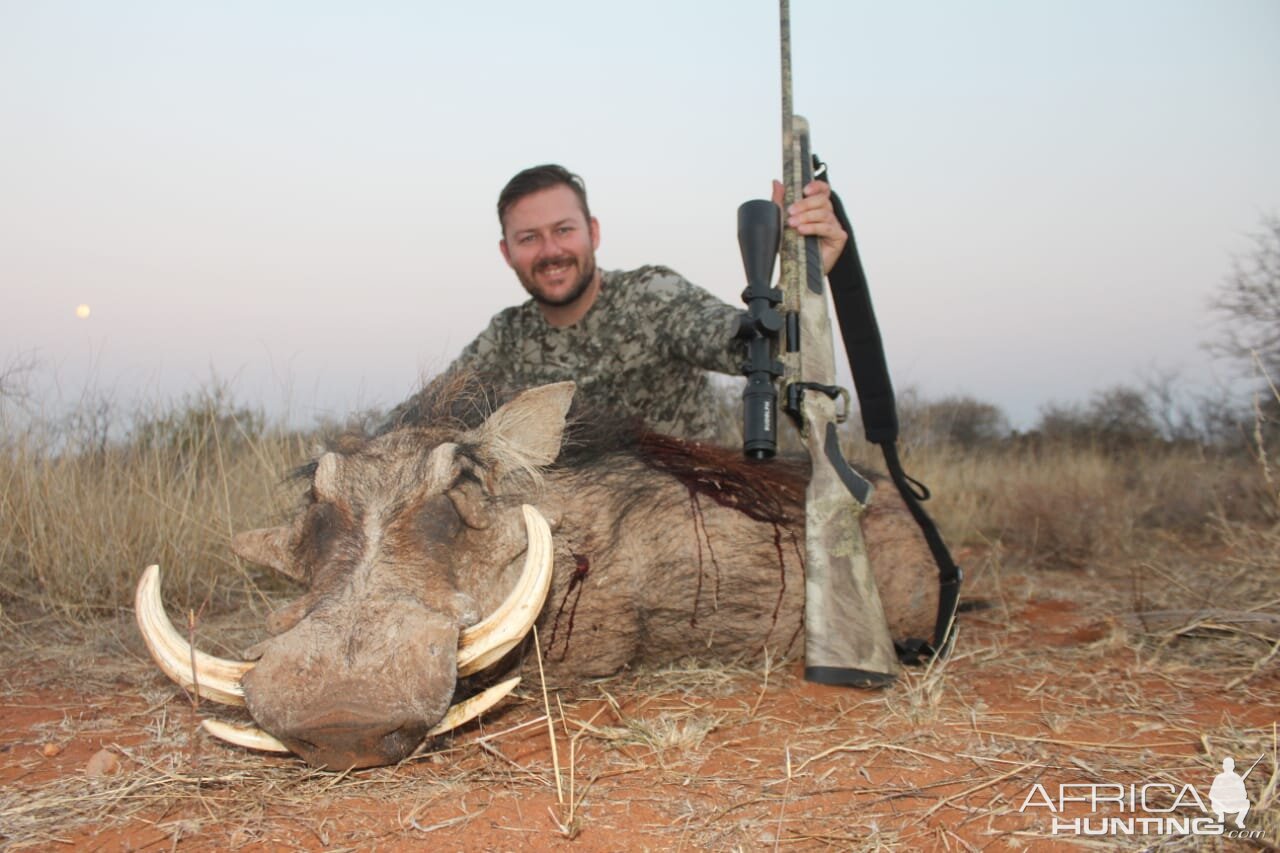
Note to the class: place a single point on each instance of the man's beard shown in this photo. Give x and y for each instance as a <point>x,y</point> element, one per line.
<point>575,292</point>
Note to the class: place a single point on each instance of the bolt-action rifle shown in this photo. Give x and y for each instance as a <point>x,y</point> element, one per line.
<point>789,346</point>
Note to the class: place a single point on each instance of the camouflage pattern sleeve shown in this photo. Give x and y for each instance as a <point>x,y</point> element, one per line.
<point>482,354</point>
<point>480,357</point>
<point>701,329</point>
<point>643,349</point>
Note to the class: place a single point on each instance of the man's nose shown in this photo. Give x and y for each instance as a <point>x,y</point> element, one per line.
<point>551,248</point>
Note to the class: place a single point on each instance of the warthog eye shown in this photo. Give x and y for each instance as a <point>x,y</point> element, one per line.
<point>437,521</point>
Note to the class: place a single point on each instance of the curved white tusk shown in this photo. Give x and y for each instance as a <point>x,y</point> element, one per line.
<point>468,709</point>
<point>246,736</point>
<point>485,643</point>
<point>214,678</point>
<point>463,712</point>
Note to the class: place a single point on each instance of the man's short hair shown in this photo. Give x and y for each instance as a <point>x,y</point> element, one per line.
<point>538,178</point>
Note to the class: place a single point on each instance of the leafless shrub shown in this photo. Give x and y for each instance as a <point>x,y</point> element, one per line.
<point>957,419</point>
<point>14,378</point>
<point>1115,419</point>
<point>1248,304</point>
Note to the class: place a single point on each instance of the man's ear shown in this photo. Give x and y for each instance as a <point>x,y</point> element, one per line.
<point>595,233</point>
<point>502,247</point>
<point>525,433</point>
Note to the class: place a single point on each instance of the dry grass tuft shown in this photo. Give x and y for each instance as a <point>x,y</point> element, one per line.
<point>1064,507</point>
<point>78,523</point>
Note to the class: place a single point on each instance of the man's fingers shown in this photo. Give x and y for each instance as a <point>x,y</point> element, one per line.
<point>817,188</point>
<point>816,228</point>
<point>815,205</point>
<point>778,193</point>
<point>805,220</point>
<point>814,216</point>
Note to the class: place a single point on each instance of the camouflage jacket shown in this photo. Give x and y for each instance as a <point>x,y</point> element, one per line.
<point>643,349</point>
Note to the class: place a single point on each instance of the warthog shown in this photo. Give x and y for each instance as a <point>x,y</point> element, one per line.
<point>662,550</point>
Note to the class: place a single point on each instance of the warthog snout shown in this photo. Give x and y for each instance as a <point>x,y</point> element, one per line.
<point>344,694</point>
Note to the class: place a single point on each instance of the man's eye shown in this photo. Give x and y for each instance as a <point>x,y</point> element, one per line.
<point>525,239</point>
<point>564,229</point>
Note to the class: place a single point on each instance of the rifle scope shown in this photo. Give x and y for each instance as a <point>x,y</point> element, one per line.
<point>759,231</point>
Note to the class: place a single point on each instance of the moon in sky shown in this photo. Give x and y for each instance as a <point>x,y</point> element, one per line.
<point>82,311</point>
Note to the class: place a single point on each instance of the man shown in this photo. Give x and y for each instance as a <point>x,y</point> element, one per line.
<point>639,341</point>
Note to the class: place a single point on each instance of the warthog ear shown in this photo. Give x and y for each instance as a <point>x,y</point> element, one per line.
<point>525,433</point>
<point>267,546</point>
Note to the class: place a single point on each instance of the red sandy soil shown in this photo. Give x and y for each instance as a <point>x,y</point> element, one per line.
<point>1042,689</point>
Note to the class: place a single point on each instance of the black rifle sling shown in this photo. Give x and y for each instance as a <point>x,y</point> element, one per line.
<point>857,318</point>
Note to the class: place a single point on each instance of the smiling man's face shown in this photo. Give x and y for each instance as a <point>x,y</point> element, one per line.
<point>551,244</point>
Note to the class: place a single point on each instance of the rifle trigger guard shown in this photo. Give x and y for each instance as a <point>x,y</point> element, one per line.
<point>842,414</point>
<point>835,392</point>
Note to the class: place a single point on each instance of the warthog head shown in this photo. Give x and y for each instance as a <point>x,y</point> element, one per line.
<point>421,566</point>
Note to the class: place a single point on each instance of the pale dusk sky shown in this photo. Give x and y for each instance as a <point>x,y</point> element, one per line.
<point>298,197</point>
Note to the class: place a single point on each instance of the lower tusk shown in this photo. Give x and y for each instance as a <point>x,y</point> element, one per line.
<point>463,712</point>
<point>468,709</point>
<point>485,643</point>
<point>211,677</point>
<point>246,736</point>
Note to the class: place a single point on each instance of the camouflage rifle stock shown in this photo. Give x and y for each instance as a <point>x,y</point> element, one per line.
<point>847,638</point>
